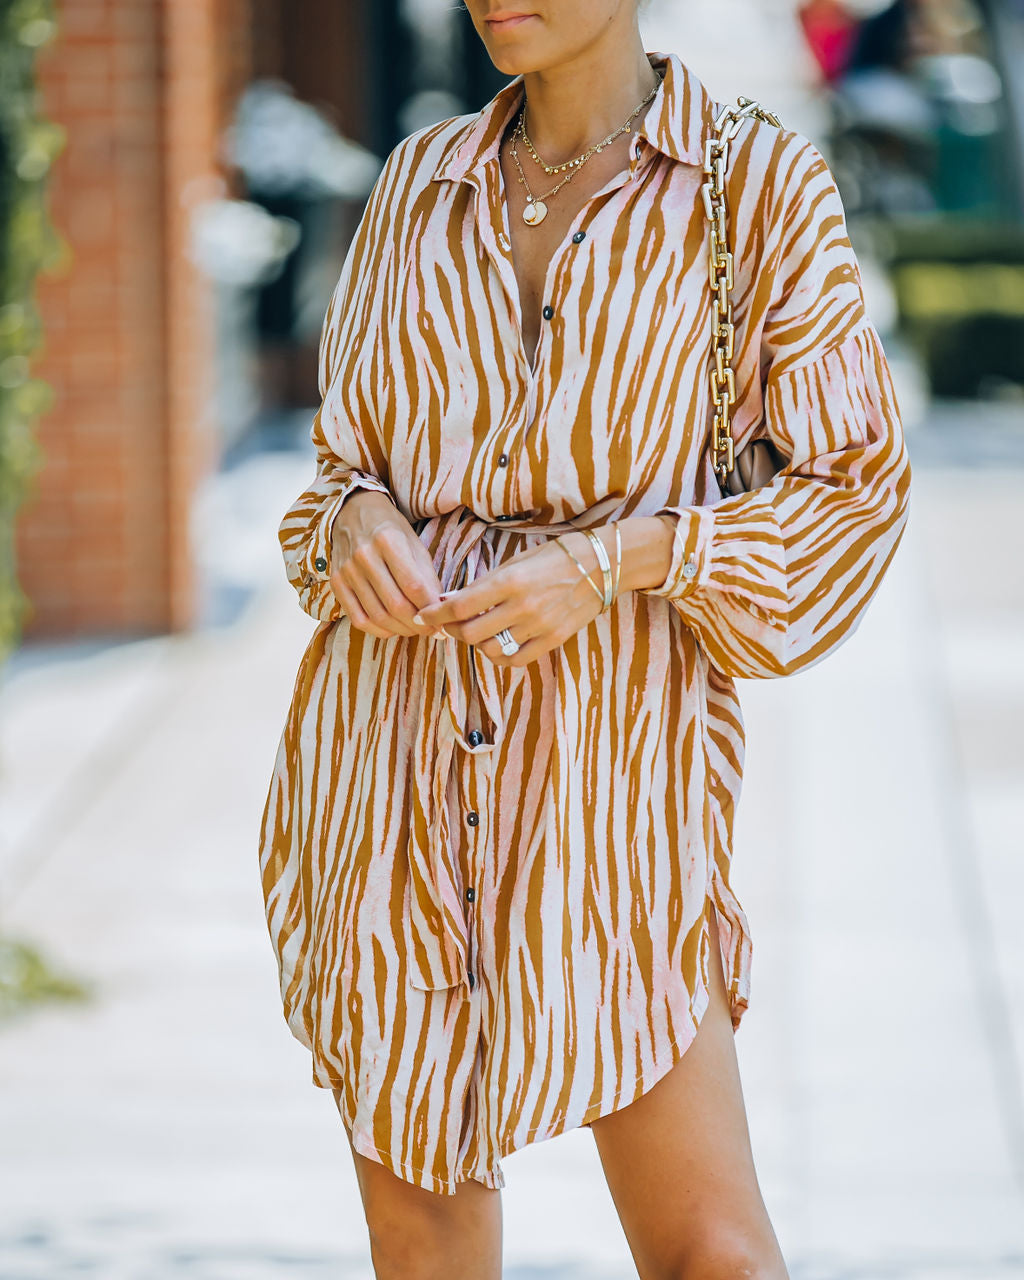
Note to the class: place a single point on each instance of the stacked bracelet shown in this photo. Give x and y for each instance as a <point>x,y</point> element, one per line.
<point>582,568</point>
<point>611,584</point>
<point>606,567</point>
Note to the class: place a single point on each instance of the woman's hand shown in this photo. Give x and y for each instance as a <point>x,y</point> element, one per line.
<point>539,595</point>
<point>381,572</point>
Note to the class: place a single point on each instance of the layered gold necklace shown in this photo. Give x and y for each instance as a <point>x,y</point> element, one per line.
<point>536,210</point>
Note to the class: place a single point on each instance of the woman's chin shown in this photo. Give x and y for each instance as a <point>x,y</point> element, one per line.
<point>512,62</point>
<point>511,66</point>
<point>515,53</point>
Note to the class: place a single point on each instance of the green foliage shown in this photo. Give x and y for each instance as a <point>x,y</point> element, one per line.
<point>28,244</point>
<point>26,979</point>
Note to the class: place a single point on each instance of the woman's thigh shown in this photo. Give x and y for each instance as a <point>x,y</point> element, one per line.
<point>416,1234</point>
<point>679,1164</point>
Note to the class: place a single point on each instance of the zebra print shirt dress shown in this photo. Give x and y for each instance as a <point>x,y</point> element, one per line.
<point>487,887</point>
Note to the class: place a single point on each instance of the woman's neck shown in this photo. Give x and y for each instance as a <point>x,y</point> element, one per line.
<point>574,105</point>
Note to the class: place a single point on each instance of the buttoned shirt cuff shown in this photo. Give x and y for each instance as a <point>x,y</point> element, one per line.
<point>690,552</point>
<point>318,552</point>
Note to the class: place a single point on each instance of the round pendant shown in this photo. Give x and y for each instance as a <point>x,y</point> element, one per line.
<point>535,211</point>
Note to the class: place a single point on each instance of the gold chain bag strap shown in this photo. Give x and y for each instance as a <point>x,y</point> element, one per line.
<point>760,460</point>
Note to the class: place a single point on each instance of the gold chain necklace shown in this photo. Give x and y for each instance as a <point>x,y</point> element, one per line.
<point>598,146</point>
<point>536,210</point>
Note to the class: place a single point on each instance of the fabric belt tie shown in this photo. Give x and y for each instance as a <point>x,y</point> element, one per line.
<point>435,924</point>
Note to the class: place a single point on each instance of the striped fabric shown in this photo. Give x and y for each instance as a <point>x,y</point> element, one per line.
<point>488,938</point>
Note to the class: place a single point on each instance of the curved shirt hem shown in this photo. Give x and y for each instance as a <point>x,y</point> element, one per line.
<point>494,1176</point>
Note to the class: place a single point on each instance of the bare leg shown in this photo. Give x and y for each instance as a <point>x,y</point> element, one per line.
<point>417,1234</point>
<point>680,1168</point>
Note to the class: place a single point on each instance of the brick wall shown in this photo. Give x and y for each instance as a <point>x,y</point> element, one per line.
<point>144,89</point>
<point>190,140</point>
<point>141,87</point>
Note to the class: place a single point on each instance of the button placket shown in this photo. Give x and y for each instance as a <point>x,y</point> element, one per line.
<point>472,957</point>
<point>477,793</point>
<point>471,872</point>
<point>474,798</point>
<point>472,821</point>
<point>495,223</point>
<point>490,212</point>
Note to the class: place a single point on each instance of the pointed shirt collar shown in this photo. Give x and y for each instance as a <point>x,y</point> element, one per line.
<point>673,122</point>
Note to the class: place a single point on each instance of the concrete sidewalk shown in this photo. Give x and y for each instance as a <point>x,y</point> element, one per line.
<point>168,1127</point>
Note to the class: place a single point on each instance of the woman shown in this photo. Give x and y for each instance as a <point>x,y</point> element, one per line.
<point>496,847</point>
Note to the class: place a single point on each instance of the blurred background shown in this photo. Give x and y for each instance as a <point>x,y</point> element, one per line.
<point>179,180</point>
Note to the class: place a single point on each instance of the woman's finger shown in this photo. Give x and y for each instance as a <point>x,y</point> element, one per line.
<point>411,568</point>
<point>365,592</point>
<point>401,609</point>
<point>540,634</point>
<point>398,607</point>
<point>483,593</point>
<point>353,610</point>
<point>381,557</point>
<point>528,651</point>
<point>368,563</point>
<point>510,614</point>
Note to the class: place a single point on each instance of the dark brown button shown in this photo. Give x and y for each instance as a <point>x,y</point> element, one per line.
<point>320,563</point>
<point>548,312</point>
<point>502,459</point>
<point>473,818</point>
<point>472,980</point>
<point>474,737</point>
<point>470,895</point>
<point>579,237</point>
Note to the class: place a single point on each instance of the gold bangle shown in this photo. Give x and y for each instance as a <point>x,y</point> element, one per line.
<point>583,571</point>
<point>606,566</point>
